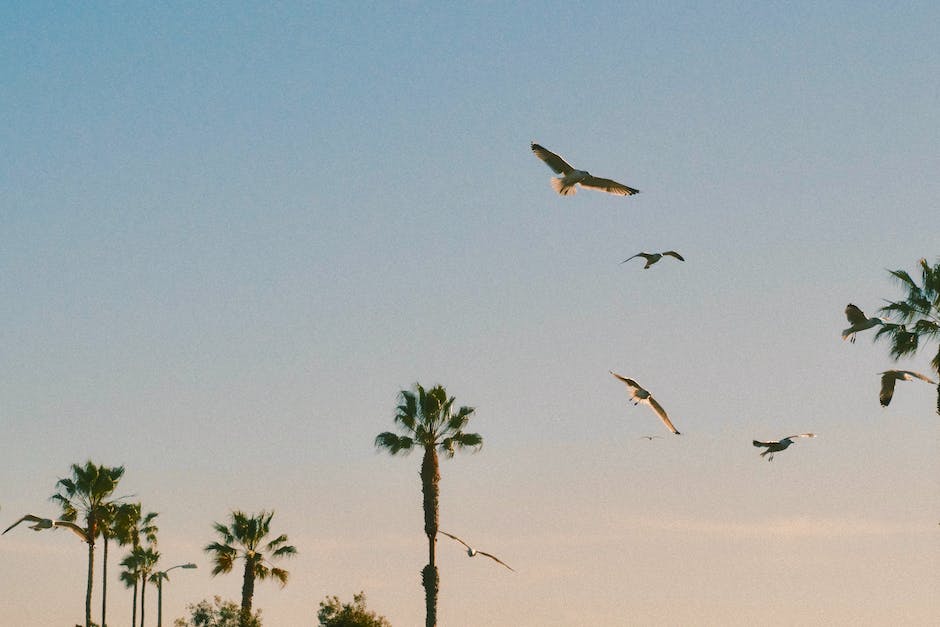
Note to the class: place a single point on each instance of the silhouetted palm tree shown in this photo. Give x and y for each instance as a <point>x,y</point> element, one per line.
<point>920,306</point>
<point>146,559</point>
<point>85,495</point>
<point>132,529</point>
<point>244,539</point>
<point>429,422</point>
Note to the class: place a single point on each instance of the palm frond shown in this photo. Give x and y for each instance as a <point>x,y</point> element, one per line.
<point>460,440</point>
<point>223,531</point>
<point>927,328</point>
<point>459,420</point>
<point>469,440</point>
<point>905,278</point>
<point>281,575</point>
<point>284,551</point>
<point>394,443</point>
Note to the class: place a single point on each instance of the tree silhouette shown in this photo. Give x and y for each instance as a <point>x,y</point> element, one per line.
<point>84,495</point>
<point>918,314</point>
<point>244,539</point>
<point>429,422</point>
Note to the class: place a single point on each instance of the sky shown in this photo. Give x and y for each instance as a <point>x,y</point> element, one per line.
<point>231,234</point>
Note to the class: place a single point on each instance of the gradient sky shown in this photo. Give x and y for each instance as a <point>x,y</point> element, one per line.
<point>229,235</point>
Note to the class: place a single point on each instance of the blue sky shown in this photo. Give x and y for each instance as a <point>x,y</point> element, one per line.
<point>231,234</point>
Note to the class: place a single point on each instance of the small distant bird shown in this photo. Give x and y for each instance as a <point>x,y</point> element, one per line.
<point>890,377</point>
<point>779,445</point>
<point>639,395</point>
<point>565,184</point>
<point>650,437</point>
<point>859,322</point>
<point>652,258</point>
<point>472,552</point>
<point>48,523</point>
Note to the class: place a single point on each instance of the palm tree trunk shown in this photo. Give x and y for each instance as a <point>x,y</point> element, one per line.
<point>91,574</point>
<point>936,368</point>
<point>134,610</point>
<point>143,593</point>
<point>104,584</point>
<point>248,592</point>
<point>430,487</point>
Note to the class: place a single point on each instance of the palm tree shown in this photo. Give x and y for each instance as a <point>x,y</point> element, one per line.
<point>105,529</point>
<point>243,539</point>
<point>138,564</point>
<point>131,576</point>
<point>428,419</point>
<point>146,559</point>
<point>920,306</point>
<point>130,529</point>
<point>84,495</point>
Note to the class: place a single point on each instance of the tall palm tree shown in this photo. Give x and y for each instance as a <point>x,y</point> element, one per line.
<point>920,306</point>
<point>429,421</point>
<point>132,529</point>
<point>131,576</point>
<point>106,531</point>
<point>138,566</point>
<point>244,539</point>
<point>85,494</point>
<point>146,561</point>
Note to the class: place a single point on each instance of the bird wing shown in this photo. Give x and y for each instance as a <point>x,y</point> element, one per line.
<point>662,414</point>
<point>75,528</point>
<point>493,557</point>
<point>28,517</point>
<point>609,186</point>
<point>917,375</point>
<point>887,388</point>
<point>456,538</point>
<point>553,161</point>
<point>801,435</point>
<point>673,253</point>
<point>633,385</point>
<point>854,314</point>
<point>644,255</point>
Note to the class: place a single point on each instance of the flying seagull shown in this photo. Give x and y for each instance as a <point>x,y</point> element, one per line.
<point>650,437</point>
<point>471,551</point>
<point>48,523</point>
<point>890,377</point>
<point>859,322</point>
<point>779,445</point>
<point>639,395</point>
<point>565,184</point>
<point>652,258</point>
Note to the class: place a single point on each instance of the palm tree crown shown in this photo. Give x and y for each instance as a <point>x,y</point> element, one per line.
<point>244,538</point>
<point>920,309</point>
<point>429,421</point>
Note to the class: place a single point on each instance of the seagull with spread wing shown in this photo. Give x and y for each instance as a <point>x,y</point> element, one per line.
<point>780,445</point>
<point>472,552</point>
<point>859,322</point>
<point>48,523</point>
<point>639,395</point>
<point>890,377</point>
<point>652,258</point>
<point>565,184</point>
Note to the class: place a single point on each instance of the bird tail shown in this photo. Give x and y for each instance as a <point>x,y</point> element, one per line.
<point>565,190</point>
<point>757,443</point>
